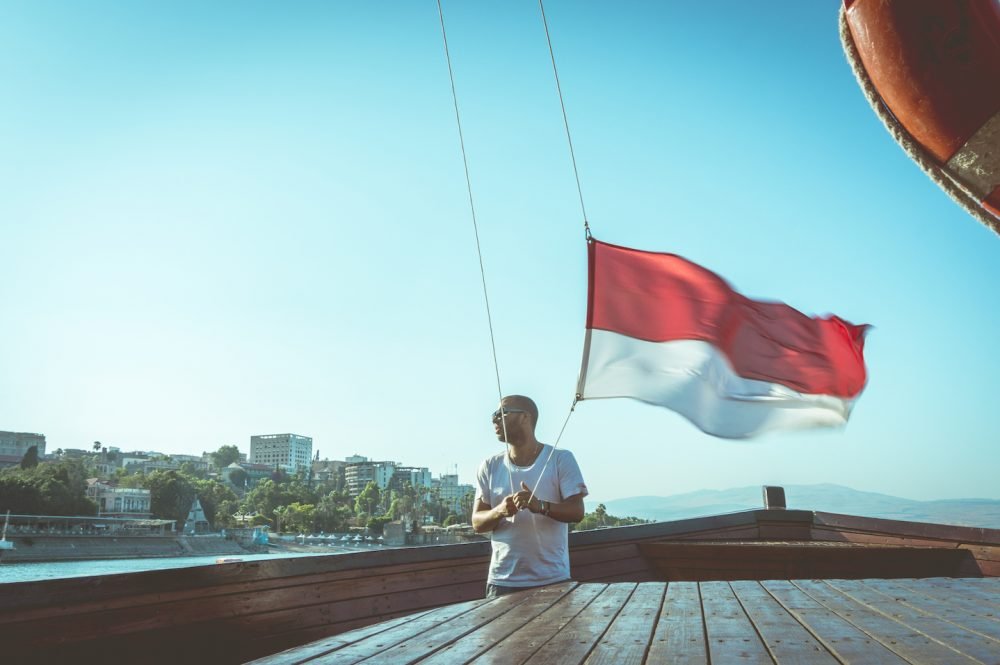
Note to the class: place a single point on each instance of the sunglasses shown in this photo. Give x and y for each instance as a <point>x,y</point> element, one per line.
<point>505,412</point>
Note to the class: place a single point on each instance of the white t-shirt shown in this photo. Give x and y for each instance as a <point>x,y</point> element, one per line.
<point>530,549</point>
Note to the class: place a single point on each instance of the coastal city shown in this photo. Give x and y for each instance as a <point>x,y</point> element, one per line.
<point>280,486</point>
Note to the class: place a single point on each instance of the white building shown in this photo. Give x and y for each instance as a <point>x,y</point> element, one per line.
<point>418,476</point>
<point>119,501</point>
<point>16,444</point>
<point>291,452</point>
<point>357,475</point>
<point>451,492</point>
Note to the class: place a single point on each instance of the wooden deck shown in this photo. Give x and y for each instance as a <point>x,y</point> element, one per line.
<point>934,621</point>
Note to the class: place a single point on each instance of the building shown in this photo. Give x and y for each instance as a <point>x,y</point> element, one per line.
<point>16,444</point>
<point>358,474</point>
<point>452,493</point>
<point>254,474</point>
<point>196,461</point>
<point>418,477</point>
<point>196,522</point>
<point>291,452</point>
<point>328,471</point>
<point>114,501</point>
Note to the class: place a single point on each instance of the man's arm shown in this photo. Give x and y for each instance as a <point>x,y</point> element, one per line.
<point>486,519</point>
<point>569,510</point>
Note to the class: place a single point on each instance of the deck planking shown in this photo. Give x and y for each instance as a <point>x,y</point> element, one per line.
<point>806,622</point>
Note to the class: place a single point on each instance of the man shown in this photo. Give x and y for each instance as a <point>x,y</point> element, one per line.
<point>530,534</point>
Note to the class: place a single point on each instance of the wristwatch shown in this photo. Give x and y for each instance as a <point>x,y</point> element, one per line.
<point>545,508</point>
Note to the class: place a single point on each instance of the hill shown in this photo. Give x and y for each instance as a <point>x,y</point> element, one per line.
<point>825,497</point>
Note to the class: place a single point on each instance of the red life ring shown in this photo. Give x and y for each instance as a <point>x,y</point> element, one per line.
<point>935,67</point>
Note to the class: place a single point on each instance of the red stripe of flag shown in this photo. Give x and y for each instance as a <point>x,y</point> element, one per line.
<point>663,297</point>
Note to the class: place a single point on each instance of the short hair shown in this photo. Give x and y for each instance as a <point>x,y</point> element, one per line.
<point>527,403</point>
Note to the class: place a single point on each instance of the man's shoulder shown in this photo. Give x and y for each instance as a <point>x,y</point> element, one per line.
<point>492,461</point>
<point>562,453</point>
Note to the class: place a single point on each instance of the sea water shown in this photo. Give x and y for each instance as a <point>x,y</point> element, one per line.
<point>28,571</point>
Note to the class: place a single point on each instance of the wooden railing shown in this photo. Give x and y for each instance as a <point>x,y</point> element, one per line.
<point>233,612</point>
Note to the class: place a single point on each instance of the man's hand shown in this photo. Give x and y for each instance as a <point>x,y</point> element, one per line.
<point>523,499</point>
<point>508,506</point>
<point>485,518</point>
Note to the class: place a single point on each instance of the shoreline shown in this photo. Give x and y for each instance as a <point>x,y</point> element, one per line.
<point>49,548</point>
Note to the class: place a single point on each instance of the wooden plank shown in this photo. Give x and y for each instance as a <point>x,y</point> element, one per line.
<point>488,635</point>
<point>354,650</point>
<point>55,594</point>
<point>962,599</point>
<point>333,615</point>
<point>548,624</point>
<point>300,654</point>
<point>761,561</point>
<point>584,556</point>
<point>731,635</point>
<point>844,640</point>
<point>985,590</point>
<point>966,534</point>
<point>781,633</point>
<point>627,639</point>
<point>598,572</point>
<point>973,645</point>
<point>735,533</point>
<point>637,577</point>
<point>908,643</point>
<point>768,531</point>
<point>424,636</point>
<point>269,593</point>
<point>971,615</point>
<point>679,637</point>
<point>257,647</point>
<point>572,644</point>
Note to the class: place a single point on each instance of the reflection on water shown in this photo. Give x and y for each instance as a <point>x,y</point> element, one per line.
<point>24,572</point>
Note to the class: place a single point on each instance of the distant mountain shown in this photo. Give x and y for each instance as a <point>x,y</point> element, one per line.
<point>827,498</point>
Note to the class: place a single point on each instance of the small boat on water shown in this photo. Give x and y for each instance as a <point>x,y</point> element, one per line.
<point>232,614</point>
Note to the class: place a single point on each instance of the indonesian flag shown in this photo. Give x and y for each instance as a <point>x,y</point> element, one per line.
<point>664,330</point>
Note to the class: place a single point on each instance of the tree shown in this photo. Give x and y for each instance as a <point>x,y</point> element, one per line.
<point>600,518</point>
<point>368,498</point>
<point>238,478</point>
<point>299,517</point>
<point>30,459</point>
<point>171,496</point>
<point>466,503</point>
<point>601,514</point>
<point>225,456</point>
<point>333,512</point>
<point>97,445</point>
<point>191,471</point>
<point>214,496</point>
<point>58,488</point>
<point>376,525</point>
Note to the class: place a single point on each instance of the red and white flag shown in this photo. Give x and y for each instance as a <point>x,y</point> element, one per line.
<point>664,330</point>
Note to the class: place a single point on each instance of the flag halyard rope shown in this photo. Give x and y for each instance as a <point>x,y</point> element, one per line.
<point>562,105</point>
<point>475,228</point>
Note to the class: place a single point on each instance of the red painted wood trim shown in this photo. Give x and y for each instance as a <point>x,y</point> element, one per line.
<point>935,63</point>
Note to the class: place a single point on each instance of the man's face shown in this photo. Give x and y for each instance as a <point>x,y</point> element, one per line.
<point>512,417</point>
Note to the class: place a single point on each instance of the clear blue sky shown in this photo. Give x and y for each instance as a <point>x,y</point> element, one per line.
<point>229,218</point>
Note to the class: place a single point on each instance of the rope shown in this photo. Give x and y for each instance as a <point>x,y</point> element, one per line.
<point>916,152</point>
<point>569,137</point>
<point>541,473</point>
<point>475,227</point>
